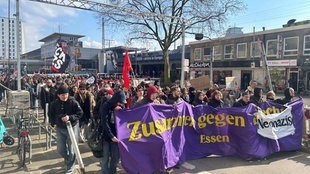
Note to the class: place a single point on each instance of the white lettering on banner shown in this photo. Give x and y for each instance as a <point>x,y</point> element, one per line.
<point>59,57</point>
<point>275,126</point>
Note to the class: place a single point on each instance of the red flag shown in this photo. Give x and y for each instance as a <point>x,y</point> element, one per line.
<point>126,69</point>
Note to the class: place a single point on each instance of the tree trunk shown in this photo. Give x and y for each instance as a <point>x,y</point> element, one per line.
<point>166,67</point>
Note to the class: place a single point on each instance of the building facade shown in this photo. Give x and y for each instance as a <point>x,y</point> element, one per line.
<point>40,60</point>
<point>8,39</point>
<point>241,56</point>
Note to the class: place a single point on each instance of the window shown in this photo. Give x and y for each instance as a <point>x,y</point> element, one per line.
<point>291,46</point>
<point>197,54</point>
<point>272,48</point>
<point>228,51</point>
<point>254,50</point>
<point>207,53</point>
<point>307,45</point>
<point>217,52</point>
<point>241,50</point>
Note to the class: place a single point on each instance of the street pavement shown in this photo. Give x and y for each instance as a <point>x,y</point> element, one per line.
<point>48,161</point>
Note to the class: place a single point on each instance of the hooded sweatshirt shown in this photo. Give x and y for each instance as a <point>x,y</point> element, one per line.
<point>287,97</point>
<point>256,98</point>
<point>107,115</point>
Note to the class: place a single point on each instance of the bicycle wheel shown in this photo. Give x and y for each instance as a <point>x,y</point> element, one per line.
<point>22,150</point>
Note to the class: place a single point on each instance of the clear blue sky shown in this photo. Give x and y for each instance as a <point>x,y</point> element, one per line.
<point>41,20</point>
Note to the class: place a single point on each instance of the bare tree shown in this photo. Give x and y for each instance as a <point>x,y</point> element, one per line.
<point>165,25</point>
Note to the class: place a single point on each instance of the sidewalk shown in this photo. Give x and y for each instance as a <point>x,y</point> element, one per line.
<point>42,161</point>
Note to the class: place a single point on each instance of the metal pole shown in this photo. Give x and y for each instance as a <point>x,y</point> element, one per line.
<point>75,146</point>
<point>267,68</point>
<point>183,55</point>
<point>211,67</point>
<point>18,47</point>
<point>9,38</point>
<point>253,53</point>
<point>46,126</point>
<point>105,66</point>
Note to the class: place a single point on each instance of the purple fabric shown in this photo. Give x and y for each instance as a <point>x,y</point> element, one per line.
<point>154,137</point>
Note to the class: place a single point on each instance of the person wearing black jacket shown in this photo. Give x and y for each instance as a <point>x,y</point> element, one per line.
<point>216,99</point>
<point>289,93</point>
<point>244,101</point>
<point>110,149</point>
<point>47,95</point>
<point>64,109</point>
<point>256,98</point>
<point>199,98</point>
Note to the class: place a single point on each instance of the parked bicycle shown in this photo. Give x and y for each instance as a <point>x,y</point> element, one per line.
<point>24,140</point>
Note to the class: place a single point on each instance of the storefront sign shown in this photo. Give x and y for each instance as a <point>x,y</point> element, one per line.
<point>281,62</point>
<point>199,65</point>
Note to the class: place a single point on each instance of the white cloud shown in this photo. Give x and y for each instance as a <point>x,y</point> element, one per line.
<point>89,43</point>
<point>37,19</point>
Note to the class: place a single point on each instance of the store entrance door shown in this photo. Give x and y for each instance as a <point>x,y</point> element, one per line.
<point>246,77</point>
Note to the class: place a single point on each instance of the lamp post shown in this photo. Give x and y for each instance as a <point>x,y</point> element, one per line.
<point>18,47</point>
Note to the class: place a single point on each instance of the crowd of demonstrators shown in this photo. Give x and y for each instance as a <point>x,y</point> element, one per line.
<point>99,100</point>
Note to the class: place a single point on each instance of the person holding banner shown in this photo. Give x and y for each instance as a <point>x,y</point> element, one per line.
<point>199,98</point>
<point>110,145</point>
<point>245,100</point>
<point>151,97</point>
<point>257,97</point>
<point>64,109</point>
<point>271,96</point>
<point>175,96</point>
<point>289,93</point>
<point>216,99</point>
<point>138,95</point>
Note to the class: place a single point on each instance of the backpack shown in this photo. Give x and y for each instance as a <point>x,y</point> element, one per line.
<point>95,139</point>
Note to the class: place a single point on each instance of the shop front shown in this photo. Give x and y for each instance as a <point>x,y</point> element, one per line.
<point>283,73</point>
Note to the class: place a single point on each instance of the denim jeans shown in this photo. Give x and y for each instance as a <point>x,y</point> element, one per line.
<point>110,158</point>
<point>65,147</point>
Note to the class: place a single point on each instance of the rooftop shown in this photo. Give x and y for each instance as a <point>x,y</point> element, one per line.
<point>57,35</point>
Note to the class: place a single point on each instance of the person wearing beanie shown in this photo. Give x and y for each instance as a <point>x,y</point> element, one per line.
<point>191,94</point>
<point>110,151</point>
<point>47,95</point>
<point>64,109</point>
<point>257,97</point>
<point>151,96</point>
<point>87,102</point>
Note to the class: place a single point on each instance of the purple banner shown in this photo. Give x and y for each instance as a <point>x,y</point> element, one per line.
<point>154,137</point>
